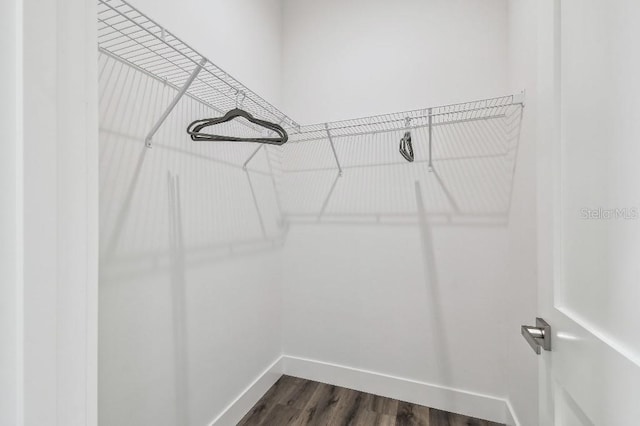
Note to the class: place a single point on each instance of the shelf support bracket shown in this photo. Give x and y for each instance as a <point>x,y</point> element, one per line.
<point>172,105</point>
<point>333,148</point>
<point>244,166</point>
<point>430,110</point>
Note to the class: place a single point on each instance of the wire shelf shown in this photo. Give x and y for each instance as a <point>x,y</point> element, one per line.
<point>440,115</point>
<point>128,35</point>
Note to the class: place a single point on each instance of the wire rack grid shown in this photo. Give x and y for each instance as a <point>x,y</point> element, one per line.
<point>128,35</point>
<point>435,116</point>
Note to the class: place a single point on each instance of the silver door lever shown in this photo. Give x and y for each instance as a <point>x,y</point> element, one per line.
<point>538,336</point>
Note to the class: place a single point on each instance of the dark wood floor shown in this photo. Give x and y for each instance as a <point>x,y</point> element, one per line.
<point>299,402</point>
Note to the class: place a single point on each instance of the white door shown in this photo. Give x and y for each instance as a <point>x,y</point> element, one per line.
<point>589,196</point>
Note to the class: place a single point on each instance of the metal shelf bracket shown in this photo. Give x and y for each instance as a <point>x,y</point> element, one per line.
<point>333,148</point>
<point>519,98</point>
<point>430,112</point>
<point>172,105</point>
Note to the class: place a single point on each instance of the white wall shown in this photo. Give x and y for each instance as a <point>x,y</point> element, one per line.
<point>9,213</point>
<point>49,233</point>
<point>387,276</point>
<point>362,57</point>
<point>190,273</point>
<point>522,365</point>
<point>60,213</point>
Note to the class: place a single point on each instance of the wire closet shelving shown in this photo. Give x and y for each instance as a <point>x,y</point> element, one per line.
<point>484,109</point>
<point>414,119</point>
<point>129,36</point>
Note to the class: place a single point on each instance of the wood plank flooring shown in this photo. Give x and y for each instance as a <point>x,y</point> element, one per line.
<point>298,402</point>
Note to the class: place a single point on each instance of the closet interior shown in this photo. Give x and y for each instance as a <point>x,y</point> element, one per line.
<point>198,219</point>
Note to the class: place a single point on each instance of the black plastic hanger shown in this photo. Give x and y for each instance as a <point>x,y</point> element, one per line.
<point>195,129</point>
<point>406,147</point>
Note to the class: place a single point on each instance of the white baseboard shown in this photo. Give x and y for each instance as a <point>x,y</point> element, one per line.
<point>443,398</point>
<point>248,398</point>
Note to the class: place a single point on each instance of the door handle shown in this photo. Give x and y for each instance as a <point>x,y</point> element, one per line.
<point>538,336</point>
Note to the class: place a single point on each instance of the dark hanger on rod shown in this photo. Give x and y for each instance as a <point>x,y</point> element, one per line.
<point>406,147</point>
<point>195,129</point>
